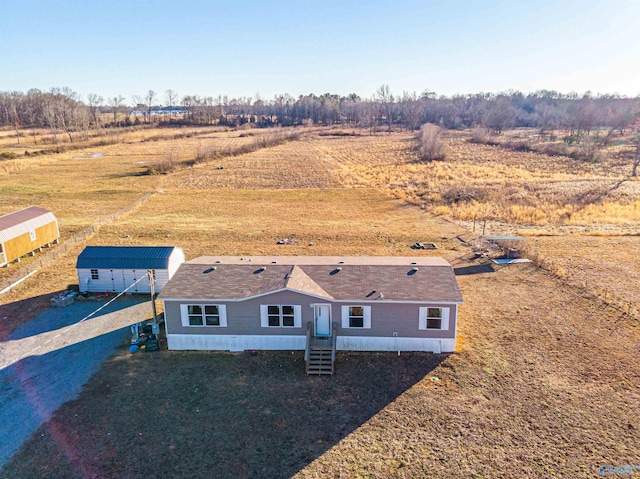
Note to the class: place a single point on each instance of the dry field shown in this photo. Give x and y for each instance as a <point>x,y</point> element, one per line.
<point>250,222</point>
<point>487,182</point>
<point>545,381</point>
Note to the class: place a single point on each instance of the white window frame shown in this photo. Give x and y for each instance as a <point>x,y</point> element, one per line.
<point>346,316</point>
<point>264,315</point>
<point>184,315</point>
<point>423,318</point>
<point>32,235</point>
<point>95,274</point>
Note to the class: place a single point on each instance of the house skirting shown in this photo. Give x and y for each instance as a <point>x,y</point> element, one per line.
<point>221,342</point>
<point>363,343</point>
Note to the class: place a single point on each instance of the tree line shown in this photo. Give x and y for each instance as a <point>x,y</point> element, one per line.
<point>64,112</point>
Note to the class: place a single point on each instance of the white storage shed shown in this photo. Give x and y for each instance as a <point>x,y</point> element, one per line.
<point>113,269</point>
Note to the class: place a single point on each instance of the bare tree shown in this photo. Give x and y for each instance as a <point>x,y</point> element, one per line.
<point>95,101</point>
<point>412,110</point>
<point>171,95</point>
<point>384,96</point>
<point>114,103</point>
<point>636,156</point>
<point>148,101</point>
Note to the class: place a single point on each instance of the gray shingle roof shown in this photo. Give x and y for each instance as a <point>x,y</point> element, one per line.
<point>344,279</point>
<point>125,257</point>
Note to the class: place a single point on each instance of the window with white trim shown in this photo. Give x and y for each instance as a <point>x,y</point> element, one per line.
<point>356,317</point>
<point>281,316</point>
<point>434,318</point>
<point>209,315</point>
<point>32,235</point>
<point>94,274</point>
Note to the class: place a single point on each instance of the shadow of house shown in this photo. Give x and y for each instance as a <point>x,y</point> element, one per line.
<point>212,414</point>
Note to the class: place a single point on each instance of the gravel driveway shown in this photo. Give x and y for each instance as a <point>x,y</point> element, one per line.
<point>45,362</point>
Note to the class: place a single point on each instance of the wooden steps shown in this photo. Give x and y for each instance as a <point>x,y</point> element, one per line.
<point>320,353</point>
<point>320,356</point>
<point>320,361</point>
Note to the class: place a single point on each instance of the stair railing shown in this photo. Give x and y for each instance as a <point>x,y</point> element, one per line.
<point>308,346</point>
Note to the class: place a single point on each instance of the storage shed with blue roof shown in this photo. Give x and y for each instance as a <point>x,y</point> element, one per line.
<point>115,269</point>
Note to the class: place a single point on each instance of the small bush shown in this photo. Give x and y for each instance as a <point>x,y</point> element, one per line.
<point>482,136</point>
<point>431,147</point>
<point>8,155</point>
<point>164,166</point>
<point>522,146</point>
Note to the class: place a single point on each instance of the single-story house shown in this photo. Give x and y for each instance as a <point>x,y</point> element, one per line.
<point>25,231</point>
<point>285,302</point>
<point>114,269</point>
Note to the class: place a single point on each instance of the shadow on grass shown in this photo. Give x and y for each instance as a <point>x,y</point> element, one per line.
<point>13,315</point>
<point>476,269</point>
<point>204,414</point>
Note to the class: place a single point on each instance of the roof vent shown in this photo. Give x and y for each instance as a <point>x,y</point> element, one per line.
<point>381,296</point>
<point>274,262</point>
<point>413,262</point>
<point>210,270</point>
<point>336,271</point>
<point>412,271</point>
<point>340,262</point>
<point>218,261</point>
<point>260,270</point>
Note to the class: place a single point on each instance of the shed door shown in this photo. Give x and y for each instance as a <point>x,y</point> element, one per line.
<point>117,281</point>
<point>133,275</point>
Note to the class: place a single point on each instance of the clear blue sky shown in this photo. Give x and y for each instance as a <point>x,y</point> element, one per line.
<point>245,47</point>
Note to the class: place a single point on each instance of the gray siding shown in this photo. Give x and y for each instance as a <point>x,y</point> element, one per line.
<point>243,317</point>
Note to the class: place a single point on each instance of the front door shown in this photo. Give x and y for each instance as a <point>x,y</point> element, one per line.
<point>323,320</point>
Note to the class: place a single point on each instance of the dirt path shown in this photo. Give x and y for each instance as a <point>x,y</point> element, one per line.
<point>45,362</point>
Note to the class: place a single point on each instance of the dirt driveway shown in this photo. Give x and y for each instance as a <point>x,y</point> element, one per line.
<point>45,362</point>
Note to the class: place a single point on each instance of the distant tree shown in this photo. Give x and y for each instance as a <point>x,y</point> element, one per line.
<point>171,96</point>
<point>500,115</point>
<point>95,101</point>
<point>384,96</point>
<point>412,110</point>
<point>148,101</point>
<point>636,156</point>
<point>115,102</point>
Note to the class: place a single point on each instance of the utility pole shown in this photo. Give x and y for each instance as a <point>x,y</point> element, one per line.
<point>153,295</point>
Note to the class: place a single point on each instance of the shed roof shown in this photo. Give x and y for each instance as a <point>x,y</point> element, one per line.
<point>125,257</point>
<point>22,221</point>
<point>349,279</point>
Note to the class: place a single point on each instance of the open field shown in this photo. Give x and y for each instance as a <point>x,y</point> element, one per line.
<point>487,182</point>
<point>545,379</point>
<point>250,222</point>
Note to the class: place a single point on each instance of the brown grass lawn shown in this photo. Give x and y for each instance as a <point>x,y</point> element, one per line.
<point>545,385</point>
<point>545,382</point>
<point>250,222</point>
